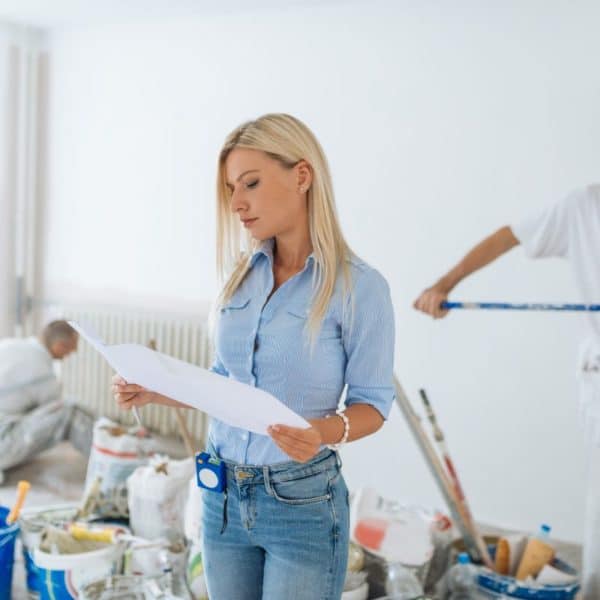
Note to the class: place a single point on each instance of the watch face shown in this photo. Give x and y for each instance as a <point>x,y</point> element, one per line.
<point>208,478</point>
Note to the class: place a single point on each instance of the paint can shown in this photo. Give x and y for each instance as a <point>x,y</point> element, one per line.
<point>32,522</point>
<point>492,586</point>
<point>63,576</point>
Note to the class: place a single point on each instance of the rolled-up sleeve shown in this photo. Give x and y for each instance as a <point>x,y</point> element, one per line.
<point>218,367</point>
<point>368,337</point>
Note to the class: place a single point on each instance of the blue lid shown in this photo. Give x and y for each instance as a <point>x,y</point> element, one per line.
<point>464,558</point>
<point>545,528</point>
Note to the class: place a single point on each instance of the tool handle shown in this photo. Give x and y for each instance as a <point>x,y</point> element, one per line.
<point>22,489</point>
<point>520,306</point>
<point>136,414</point>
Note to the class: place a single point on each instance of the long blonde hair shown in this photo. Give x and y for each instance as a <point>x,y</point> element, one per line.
<point>287,140</point>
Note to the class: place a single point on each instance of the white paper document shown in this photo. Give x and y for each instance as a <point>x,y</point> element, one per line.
<point>228,400</point>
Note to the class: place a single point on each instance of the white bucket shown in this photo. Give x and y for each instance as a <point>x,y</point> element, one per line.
<point>63,576</point>
<point>32,522</point>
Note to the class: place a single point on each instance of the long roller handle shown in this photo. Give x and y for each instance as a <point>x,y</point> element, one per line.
<point>522,306</point>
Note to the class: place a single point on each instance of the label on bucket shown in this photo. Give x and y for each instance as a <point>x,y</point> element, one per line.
<point>8,535</point>
<point>66,585</point>
<point>32,575</point>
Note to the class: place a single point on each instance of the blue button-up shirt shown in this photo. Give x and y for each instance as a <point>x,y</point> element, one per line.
<point>266,343</point>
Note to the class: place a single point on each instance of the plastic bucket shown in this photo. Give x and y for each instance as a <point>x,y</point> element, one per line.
<point>63,576</point>
<point>493,586</point>
<point>8,536</point>
<point>32,522</point>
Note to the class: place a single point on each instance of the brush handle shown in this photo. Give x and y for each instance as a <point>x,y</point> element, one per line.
<point>437,470</point>
<point>22,489</point>
<point>455,481</point>
<point>136,414</point>
<point>522,306</point>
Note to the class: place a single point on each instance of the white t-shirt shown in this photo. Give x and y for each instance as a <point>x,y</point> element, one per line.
<point>571,229</point>
<point>27,377</point>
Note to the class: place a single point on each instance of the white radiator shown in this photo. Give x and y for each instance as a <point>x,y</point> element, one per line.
<point>87,376</point>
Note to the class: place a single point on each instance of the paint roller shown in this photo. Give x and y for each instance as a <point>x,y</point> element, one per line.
<point>22,488</point>
<point>105,535</point>
<point>520,306</point>
<point>113,535</point>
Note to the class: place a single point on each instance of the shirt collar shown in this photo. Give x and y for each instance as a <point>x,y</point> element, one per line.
<point>266,249</point>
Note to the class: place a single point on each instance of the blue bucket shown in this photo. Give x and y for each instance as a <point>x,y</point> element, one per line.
<point>8,536</point>
<point>493,585</point>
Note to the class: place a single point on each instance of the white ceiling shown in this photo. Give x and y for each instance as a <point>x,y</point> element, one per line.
<point>51,14</point>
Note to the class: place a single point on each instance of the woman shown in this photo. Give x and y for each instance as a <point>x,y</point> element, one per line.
<point>300,317</point>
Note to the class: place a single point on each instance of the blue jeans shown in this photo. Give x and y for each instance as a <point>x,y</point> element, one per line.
<point>286,533</point>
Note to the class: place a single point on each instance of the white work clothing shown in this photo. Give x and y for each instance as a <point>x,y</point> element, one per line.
<point>32,417</point>
<point>27,377</point>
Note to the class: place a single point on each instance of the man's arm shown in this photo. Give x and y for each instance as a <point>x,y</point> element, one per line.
<point>481,255</point>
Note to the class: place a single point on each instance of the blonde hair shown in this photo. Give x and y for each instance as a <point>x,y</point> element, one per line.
<point>287,140</point>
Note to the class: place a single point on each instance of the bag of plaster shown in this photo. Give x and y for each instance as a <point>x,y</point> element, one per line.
<point>116,452</point>
<point>157,493</point>
<point>193,532</point>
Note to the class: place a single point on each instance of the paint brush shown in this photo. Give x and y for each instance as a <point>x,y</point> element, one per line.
<point>22,489</point>
<point>136,415</point>
<point>437,470</point>
<point>521,306</point>
<point>439,437</point>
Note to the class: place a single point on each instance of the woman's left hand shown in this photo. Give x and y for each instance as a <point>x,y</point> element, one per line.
<point>299,444</point>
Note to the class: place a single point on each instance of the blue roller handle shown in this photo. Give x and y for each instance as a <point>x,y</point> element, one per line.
<point>525,306</point>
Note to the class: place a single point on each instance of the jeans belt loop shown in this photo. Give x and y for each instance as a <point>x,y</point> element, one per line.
<point>338,460</point>
<point>267,478</point>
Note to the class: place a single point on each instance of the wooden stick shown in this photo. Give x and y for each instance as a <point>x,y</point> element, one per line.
<point>439,437</point>
<point>22,489</point>
<point>438,471</point>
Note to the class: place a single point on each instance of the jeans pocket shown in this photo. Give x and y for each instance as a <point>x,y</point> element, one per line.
<point>306,490</point>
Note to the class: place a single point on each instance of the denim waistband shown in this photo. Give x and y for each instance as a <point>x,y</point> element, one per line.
<point>279,472</point>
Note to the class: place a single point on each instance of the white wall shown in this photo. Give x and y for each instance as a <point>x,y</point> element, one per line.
<point>442,121</point>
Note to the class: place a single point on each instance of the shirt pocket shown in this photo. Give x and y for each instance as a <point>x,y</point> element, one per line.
<point>329,329</point>
<point>235,305</point>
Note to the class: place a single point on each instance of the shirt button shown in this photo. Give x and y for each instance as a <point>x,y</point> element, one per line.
<point>244,436</point>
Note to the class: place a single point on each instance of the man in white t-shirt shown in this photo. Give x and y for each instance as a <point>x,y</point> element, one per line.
<point>571,230</point>
<point>32,415</point>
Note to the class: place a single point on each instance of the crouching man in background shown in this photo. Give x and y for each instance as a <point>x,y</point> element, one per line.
<point>33,416</point>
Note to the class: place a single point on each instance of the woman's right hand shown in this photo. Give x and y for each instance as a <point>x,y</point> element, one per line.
<point>129,395</point>
<point>430,301</point>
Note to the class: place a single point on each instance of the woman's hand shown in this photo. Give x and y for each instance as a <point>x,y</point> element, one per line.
<point>129,395</point>
<point>430,302</point>
<point>299,444</point>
